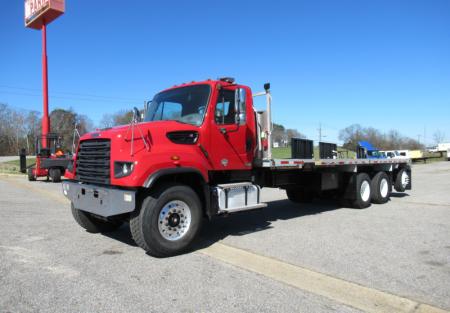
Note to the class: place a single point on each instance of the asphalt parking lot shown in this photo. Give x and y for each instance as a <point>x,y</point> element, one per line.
<point>318,257</point>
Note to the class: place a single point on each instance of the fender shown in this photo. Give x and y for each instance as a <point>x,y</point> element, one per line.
<point>170,171</point>
<point>183,170</point>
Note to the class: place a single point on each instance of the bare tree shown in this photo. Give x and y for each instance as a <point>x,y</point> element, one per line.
<point>293,133</point>
<point>12,130</point>
<point>63,123</point>
<point>438,136</point>
<point>122,117</point>
<point>351,135</point>
<point>393,140</point>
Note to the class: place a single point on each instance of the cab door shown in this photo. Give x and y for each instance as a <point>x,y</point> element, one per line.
<point>232,143</point>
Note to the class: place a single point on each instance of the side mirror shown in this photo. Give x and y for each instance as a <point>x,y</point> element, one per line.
<point>239,102</point>
<point>136,115</point>
<point>146,106</point>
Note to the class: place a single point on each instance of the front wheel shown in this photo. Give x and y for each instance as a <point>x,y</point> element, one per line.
<point>168,221</point>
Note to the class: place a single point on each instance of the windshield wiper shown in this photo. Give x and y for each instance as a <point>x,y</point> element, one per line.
<point>182,122</point>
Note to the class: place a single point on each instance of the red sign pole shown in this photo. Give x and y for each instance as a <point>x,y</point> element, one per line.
<point>45,118</point>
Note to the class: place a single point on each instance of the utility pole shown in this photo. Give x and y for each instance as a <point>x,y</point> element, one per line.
<point>424,135</point>
<point>320,132</point>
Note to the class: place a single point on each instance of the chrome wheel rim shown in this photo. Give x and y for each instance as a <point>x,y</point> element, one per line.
<point>174,220</point>
<point>384,187</point>
<point>405,179</point>
<point>365,191</point>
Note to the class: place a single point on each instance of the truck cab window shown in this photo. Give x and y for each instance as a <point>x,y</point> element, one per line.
<point>169,111</point>
<point>184,104</point>
<point>224,113</point>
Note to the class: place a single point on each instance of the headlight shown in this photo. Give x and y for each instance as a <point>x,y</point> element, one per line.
<point>122,169</point>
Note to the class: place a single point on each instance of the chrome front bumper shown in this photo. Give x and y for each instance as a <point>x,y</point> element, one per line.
<point>103,201</point>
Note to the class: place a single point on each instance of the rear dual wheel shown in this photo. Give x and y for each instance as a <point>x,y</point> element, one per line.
<point>363,192</point>
<point>401,180</point>
<point>381,188</point>
<point>376,190</point>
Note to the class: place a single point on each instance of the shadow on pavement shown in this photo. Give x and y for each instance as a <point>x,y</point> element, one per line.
<point>399,195</point>
<point>122,234</point>
<point>243,223</point>
<point>247,222</point>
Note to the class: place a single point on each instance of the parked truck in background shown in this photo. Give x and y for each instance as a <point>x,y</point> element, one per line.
<point>402,154</point>
<point>366,150</point>
<point>202,150</point>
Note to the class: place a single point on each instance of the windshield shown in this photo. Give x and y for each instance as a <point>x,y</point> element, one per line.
<point>375,153</point>
<point>185,104</point>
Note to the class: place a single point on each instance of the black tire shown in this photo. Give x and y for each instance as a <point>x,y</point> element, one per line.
<point>299,195</point>
<point>381,188</point>
<point>30,174</point>
<point>144,224</point>
<point>399,184</point>
<point>92,224</point>
<point>55,175</point>
<point>362,201</point>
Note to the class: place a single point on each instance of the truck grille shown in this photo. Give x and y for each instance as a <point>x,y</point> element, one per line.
<point>93,161</point>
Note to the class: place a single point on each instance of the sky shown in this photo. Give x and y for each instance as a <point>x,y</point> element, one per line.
<point>383,63</point>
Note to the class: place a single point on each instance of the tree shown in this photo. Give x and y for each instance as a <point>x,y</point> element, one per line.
<point>438,136</point>
<point>283,136</point>
<point>293,133</point>
<point>20,128</point>
<point>393,140</point>
<point>351,135</point>
<point>122,117</point>
<point>33,129</point>
<point>12,130</point>
<point>63,123</point>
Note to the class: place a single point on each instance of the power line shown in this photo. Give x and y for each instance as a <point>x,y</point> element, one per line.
<point>72,93</point>
<point>67,98</point>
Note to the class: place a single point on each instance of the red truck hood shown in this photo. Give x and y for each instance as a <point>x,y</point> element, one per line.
<point>148,130</point>
<point>128,143</point>
<point>150,148</point>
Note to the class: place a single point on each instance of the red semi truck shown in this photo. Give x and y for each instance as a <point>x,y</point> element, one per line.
<point>202,150</point>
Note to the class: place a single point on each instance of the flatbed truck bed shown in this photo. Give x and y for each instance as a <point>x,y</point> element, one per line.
<point>301,163</point>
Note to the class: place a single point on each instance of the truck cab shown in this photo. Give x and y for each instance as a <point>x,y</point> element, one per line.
<point>199,134</point>
<point>206,126</point>
<point>368,151</point>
